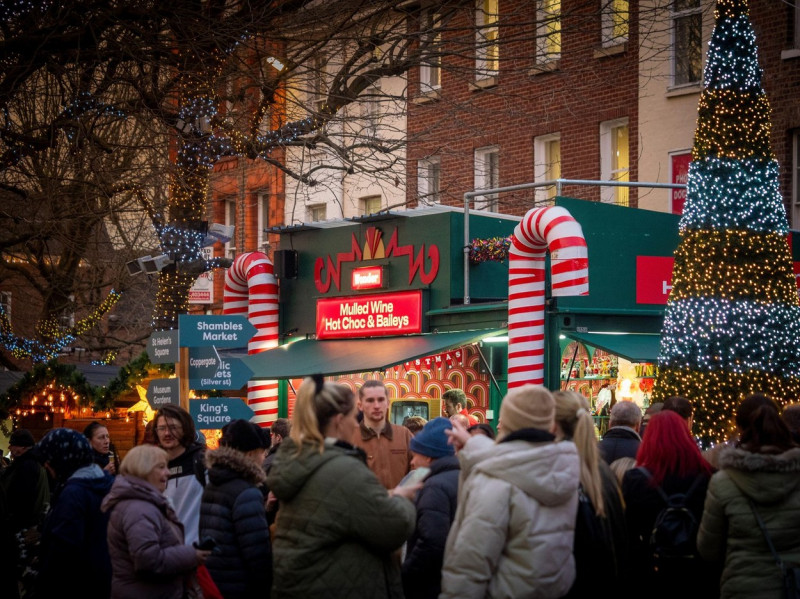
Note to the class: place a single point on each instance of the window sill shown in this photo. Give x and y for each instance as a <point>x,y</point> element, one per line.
<point>611,50</point>
<point>433,95</point>
<point>545,67</point>
<point>789,54</point>
<point>484,83</point>
<point>685,90</point>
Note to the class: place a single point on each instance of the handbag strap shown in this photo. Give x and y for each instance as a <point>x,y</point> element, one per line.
<point>763,528</point>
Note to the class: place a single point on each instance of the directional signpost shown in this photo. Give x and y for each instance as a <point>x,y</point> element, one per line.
<point>161,392</point>
<point>162,347</point>
<point>208,370</point>
<point>216,412</point>
<point>218,330</point>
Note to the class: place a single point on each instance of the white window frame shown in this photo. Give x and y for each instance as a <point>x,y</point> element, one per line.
<point>229,205</point>
<point>313,212</point>
<point>263,220</point>
<point>615,22</point>
<point>487,43</point>
<point>430,71</point>
<point>370,204</point>
<point>608,172</point>
<point>795,216</point>
<point>372,107</point>
<point>693,12</point>
<point>429,180</point>
<point>548,30</point>
<point>487,176</point>
<point>319,83</point>
<point>543,168</point>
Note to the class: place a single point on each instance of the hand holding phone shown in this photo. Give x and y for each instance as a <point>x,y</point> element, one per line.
<point>415,476</point>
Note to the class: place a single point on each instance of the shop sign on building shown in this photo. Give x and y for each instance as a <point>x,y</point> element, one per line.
<point>202,292</point>
<point>680,175</point>
<point>370,315</point>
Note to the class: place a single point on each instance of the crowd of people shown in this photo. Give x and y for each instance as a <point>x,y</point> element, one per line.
<point>339,502</point>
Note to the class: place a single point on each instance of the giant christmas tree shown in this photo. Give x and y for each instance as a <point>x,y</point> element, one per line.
<point>732,324</point>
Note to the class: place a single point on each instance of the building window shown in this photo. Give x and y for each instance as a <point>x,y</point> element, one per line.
<point>67,318</point>
<point>430,72</point>
<point>319,90</point>
<point>548,31</point>
<point>795,216</point>
<point>487,176</point>
<point>263,220</point>
<point>428,180</point>
<point>230,220</point>
<point>614,160</point>
<point>796,32</point>
<point>687,34</point>
<point>316,212</point>
<point>547,165</point>
<point>370,205</point>
<point>5,302</point>
<point>372,107</point>
<point>487,40</point>
<point>615,19</point>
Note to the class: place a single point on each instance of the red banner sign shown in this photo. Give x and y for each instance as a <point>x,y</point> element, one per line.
<point>370,315</point>
<point>680,175</point>
<point>653,279</point>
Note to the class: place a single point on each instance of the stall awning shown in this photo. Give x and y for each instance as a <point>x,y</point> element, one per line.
<point>636,347</point>
<point>340,356</point>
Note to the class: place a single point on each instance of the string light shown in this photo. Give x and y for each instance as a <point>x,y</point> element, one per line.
<point>732,323</point>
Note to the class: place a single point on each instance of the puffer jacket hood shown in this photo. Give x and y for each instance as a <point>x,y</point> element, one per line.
<point>771,485</point>
<point>227,463</point>
<point>529,466</point>
<point>290,469</point>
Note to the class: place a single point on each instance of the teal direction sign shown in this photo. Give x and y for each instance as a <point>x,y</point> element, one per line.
<point>216,412</point>
<point>162,347</point>
<point>161,392</point>
<point>218,330</point>
<point>208,370</point>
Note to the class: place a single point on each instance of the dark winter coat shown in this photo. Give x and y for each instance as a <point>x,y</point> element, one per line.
<point>729,531</point>
<point>338,529</point>
<point>619,442</point>
<point>436,507</point>
<point>642,506</point>
<point>73,546</point>
<point>601,543</point>
<point>145,539</point>
<point>232,513</point>
<point>27,491</point>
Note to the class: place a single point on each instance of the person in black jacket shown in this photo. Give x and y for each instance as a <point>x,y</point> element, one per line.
<point>232,513</point>
<point>436,508</point>
<point>621,438</point>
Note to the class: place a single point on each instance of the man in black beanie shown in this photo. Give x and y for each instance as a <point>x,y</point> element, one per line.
<point>232,512</point>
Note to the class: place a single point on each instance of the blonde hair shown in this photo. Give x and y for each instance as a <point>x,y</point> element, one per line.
<point>621,465</point>
<point>572,415</point>
<point>317,402</point>
<point>141,460</point>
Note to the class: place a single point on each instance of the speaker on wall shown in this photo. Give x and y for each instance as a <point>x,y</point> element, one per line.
<point>285,264</point>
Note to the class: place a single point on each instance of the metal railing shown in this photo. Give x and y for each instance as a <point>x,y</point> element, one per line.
<point>470,195</point>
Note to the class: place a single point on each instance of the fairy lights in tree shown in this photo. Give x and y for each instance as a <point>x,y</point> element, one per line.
<point>732,325</point>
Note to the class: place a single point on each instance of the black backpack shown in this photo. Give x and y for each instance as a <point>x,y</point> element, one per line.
<point>673,540</point>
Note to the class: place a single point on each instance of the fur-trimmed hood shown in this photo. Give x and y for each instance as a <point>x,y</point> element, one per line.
<point>225,463</point>
<point>764,477</point>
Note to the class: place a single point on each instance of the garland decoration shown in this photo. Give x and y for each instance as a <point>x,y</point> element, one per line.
<point>493,249</point>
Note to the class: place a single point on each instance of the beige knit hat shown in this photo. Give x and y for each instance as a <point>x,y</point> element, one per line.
<point>529,406</point>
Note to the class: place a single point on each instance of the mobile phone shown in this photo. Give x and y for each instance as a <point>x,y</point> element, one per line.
<point>415,476</point>
<point>205,544</point>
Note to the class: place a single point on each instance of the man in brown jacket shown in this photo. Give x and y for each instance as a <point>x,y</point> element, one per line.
<point>386,444</point>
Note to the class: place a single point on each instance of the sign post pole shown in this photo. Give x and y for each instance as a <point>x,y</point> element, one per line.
<point>182,370</point>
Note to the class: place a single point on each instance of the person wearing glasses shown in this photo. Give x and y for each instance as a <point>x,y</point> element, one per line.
<point>175,434</point>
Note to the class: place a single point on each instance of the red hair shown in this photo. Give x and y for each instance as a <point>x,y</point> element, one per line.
<point>668,448</point>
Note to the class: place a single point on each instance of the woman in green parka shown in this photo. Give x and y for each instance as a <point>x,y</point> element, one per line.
<point>763,467</point>
<point>338,529</point>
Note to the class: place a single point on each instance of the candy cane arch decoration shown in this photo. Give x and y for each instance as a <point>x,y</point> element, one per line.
<point>541,229</point>
<point>251,286</point>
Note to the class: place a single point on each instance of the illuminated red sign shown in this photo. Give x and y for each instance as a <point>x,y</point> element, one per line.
<point>370,315</point>
<point>369,277</point>
<point>653,279</point>
<point>680,174</point>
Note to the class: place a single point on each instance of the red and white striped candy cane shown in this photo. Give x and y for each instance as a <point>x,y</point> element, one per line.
<point>251,286</point>
<point>541,229</point>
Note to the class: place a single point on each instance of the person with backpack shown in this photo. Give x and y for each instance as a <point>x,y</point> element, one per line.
<point>758,484</point>
<point>664,497</point>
